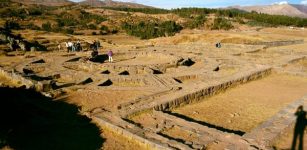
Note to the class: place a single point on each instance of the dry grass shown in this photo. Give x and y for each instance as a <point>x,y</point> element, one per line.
<point>109,99</point>
<point>238,40</point>
<point>115,141</point>
<point>6,80</point>
<point>246,106</point>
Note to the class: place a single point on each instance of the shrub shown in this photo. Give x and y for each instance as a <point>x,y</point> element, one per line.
<point>9,25</point>
<point>47,26</point>
<point>35,11</point>
<point>33,26</point>
<point>150,30</point>
<point>103,32</point>
<point>221,24</point>
<point>87,17</point>
<point>92,26</point>
<point>197,22</point>
<point>20,13</point>
<point>104,28</point>
<point>69,31</point>
<point>114,31</point>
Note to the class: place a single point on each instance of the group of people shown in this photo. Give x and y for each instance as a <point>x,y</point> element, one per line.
<point>73,46</point>
<point>95,47</point>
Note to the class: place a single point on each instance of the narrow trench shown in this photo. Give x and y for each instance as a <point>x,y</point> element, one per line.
<point>106,83</point>
<point>177,80</point>
<point>189,62</point>
<point>125,73</point>
<point>74,59</point>
<point>175,139</point>
<point>105,72</point>
<point>86,81</point>
<point>156,71</point>
<point>237,132</point>
<point>134,123</point>
<point>39,61</point>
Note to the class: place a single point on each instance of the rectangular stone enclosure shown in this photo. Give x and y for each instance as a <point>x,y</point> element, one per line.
<point>246,106</point>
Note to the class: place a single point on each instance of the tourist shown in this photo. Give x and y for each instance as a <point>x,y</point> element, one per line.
<point>97,45</point>
<point>73,47</point>
<point>78,46</point>
<point>93,46</point>
<point>94,49</point>
<point>110,54</point>
<point>59,46</point>
<point>67,46</point>
<point>299,128</point>
<point>94,54</point>
<point>70,44</point>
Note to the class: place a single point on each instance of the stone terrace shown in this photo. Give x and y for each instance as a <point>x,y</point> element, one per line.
<point>149,82</point>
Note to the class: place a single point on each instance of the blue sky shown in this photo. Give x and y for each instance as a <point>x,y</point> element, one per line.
<point>208,3</point>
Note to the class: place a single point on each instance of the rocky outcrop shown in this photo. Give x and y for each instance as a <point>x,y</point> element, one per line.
<point>16,42</point>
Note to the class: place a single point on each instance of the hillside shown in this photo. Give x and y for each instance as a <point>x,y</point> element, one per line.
<point>302,8</point>
<point>45,2</point>
<point>284,9</point>
<point>93,3</point>
<point>110,3</point>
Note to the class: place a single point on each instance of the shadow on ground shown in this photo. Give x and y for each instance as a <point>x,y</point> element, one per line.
<point>100,58</point>
<point>31,121</point>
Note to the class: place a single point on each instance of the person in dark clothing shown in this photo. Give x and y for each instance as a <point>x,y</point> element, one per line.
<point>97,44</point>
<point>94,49</point>
<point>299,128</point>
<point>78,46</point>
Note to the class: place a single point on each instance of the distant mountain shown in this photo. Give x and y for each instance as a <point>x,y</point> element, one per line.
<point>278,9</point>
<point>45,2</point>
<point>94,3</point>
<point>110,3</point>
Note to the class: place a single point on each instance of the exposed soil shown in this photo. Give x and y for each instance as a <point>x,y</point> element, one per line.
<point>117,142</point>
<point>108,99</point>
<point>246,106</point>
<point>285,141</point>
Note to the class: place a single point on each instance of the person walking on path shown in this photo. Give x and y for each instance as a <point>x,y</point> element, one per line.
<point>110,54</point>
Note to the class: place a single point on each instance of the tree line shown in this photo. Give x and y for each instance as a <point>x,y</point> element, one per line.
<point>148,30</point>
<point>262,19</point>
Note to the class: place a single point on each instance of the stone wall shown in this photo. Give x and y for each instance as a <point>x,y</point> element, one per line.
<point>30,84</point>
<point>129,135</point>
<point>280,43</point>
<point>211,90</point>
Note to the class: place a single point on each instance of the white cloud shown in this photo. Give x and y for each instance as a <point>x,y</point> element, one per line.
<point>304,2</point>
<point>281,3</point>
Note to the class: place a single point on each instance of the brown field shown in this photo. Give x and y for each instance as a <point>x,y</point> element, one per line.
<point>246,106</point>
